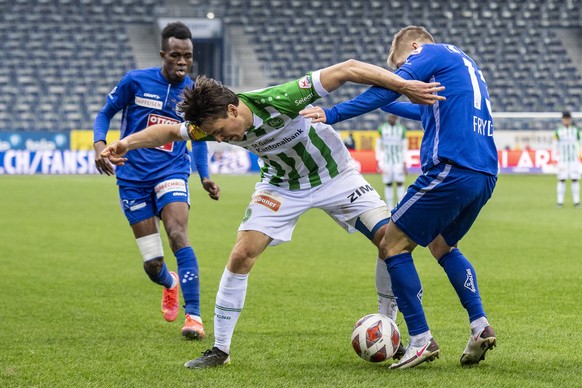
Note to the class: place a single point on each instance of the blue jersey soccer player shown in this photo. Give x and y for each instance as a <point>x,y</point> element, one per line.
<point>154,185</point>
<point>459,164</point>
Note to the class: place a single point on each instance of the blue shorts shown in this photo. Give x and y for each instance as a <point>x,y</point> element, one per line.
<point>445,200</point>
<point>141,203</point>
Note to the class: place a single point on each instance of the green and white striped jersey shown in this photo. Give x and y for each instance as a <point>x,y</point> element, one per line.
<point>391,144</point>
<point>294,152</point>
<point>567,144</point>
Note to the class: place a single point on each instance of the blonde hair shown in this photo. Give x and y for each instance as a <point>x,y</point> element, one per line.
<point>404,37</point>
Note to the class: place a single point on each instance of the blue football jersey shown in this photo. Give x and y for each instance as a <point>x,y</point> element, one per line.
<point>146,98</point>
<point>459,129</point>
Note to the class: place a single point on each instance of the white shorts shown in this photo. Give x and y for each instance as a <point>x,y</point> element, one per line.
<point>393,172</point>
<point>275,211</point>
<point>570,170</point>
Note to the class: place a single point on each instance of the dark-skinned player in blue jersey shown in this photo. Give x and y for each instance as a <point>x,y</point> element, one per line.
<point>459,165</point>
<point>154,185</point>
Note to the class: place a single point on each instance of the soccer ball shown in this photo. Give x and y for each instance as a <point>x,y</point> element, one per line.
<point>375,338</point>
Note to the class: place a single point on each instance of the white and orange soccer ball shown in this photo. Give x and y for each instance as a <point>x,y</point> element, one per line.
<point>375,338</point>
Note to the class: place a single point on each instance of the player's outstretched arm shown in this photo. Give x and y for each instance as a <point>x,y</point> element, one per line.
<point>152,136</point>
<point>419,92</point>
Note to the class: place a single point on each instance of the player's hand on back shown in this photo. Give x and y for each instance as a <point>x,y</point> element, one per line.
<point>315,113</point>
<point>114,152</point>
<point>212,188</point>
<point>103,165</point>
<point>423,93</point>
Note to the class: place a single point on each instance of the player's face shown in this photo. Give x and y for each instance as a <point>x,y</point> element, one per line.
<point>231,128</point>
<point>177,59</point>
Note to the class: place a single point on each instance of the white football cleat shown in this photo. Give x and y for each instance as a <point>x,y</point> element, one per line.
<point>418,354</point>
<point>478,345</point>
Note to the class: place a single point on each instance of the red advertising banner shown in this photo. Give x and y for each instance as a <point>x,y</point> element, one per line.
<point>510,161</point>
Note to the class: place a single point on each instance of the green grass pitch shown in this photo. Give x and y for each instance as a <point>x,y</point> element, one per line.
<point>77,310</point>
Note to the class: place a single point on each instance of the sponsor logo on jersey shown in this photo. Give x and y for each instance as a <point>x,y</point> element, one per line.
<point>170,186</point>
<point>159,119</point>
<point>359,192</point>
<point>151,95</point>
<point>112,92</point>
<point>305,82</point>
<point>148,103</point>
<point>268,199</point>
<point>303,100</point>
<point>258,147</point>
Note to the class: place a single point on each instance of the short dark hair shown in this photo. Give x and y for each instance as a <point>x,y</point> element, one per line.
<point>206,99</point>
<point>566,115</point>
<point>176,30</point>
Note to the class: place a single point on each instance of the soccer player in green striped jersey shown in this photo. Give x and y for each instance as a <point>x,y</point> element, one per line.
<point>304,165</point>
<point>566,149</point>
<point>391,149</point>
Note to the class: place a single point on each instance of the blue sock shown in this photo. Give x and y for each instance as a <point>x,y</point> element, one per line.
<point>408,291</point>
<point>189,281</point>
<point>464,279</point>
<point>163,278</point>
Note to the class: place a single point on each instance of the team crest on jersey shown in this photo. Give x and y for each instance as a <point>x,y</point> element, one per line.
<point>248,214</point>
<point>159,119</point>
<point>305,82</point>
<point>276,122</point>
<point>268,199</point>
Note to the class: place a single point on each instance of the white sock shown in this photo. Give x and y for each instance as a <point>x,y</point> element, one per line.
<point>561,189</point>
<point>175,283</point>
<point>420,339</point>
<point>400,190</point>
<point>575,192</point>
<point>478,325</point>
<point>230,300</point>
<point>386,300</point>
<point>389,196</point>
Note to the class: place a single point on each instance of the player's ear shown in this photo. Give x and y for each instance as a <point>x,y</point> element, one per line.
<point>233,110</point>
<point>162,53</point>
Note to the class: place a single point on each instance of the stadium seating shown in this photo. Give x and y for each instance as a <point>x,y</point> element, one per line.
<point>61,57</point>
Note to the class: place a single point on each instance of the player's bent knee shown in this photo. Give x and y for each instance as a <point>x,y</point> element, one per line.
<point>438,248</point>
<point>369,222</point>
<point>154,266</point>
